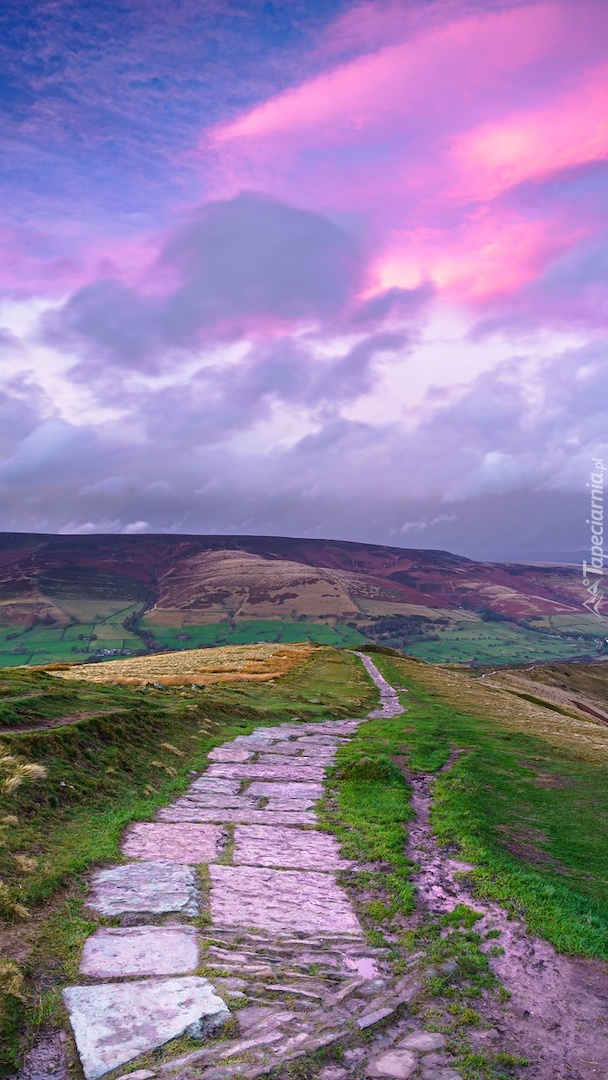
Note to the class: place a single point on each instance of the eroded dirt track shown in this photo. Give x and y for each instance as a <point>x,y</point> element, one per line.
<point>558,1012</point>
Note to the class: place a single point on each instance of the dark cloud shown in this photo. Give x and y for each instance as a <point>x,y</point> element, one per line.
<point>240,264</point>
<point>395,303</point>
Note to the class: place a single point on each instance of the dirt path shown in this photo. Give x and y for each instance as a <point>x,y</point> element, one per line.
<point>558,1012</point>
<point>61,721</point>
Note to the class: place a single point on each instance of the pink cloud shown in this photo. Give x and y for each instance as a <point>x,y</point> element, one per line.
<point>424,137</point>
<point>572,131</point>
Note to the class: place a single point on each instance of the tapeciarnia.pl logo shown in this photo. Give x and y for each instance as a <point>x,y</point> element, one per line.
<point>593,571</point>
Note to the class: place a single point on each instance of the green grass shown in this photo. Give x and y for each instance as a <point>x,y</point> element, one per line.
<point>485,643</point>
<point>367,808</point>
<point>105,772</point>
<point>42,644</point>
<point>532,817</point>
<point>249,631</point>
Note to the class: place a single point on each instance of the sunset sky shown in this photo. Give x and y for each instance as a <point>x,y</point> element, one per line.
<point>312,267</point>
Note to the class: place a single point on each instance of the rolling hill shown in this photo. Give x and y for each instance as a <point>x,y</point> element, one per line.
<point>74,598</point>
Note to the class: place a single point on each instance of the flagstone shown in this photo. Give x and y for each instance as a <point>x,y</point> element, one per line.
<point>279,900</point>
<point>284,790</point>
<point>229,753</point>
<point>266,845</point>
<point>140,950</point>
<point>116,1022</point>
<point>185,843</point>
<point>289,771</point>
<point>144,888</point>
<point>267,816</point>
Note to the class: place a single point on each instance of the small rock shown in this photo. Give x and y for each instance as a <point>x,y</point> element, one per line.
<point>396,1064</point>
<point>449,967</point>
<point>230,984</point>
<point>440,1074</point>
<point>373,1018</point>
<point>252,1015</point>
<point>140,1074</point>
<point>430,973</point>
<point>353,1055</point>
<point>333,1072</point>
<point>424,1041</point>
<point>371,989</point>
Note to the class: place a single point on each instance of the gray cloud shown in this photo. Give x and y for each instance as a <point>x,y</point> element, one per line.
<point>239,263</point>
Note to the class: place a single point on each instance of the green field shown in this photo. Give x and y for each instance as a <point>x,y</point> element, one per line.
<point>251,631</point>
<point>485,643</point>
<point>91,630</point>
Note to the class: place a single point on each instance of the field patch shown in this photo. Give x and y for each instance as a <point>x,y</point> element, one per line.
<point>480,643</point>
<point>195,667</point>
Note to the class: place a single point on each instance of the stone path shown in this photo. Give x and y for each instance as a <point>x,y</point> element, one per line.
<point>278,938</point>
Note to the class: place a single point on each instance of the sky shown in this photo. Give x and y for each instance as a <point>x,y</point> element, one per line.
<point>313,268</point>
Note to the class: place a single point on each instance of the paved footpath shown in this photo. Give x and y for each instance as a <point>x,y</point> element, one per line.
<point>235,877</point>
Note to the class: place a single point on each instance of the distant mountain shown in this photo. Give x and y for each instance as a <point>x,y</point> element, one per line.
<point>69,597</point>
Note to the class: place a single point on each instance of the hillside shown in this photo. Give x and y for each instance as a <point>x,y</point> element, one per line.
<point>92,597</point>
<point>499,774</point>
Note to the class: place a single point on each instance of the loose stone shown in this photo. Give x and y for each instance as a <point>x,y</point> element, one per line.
<point>424,1041</point>
<point>374,1018</point>
<point>396,1064</point>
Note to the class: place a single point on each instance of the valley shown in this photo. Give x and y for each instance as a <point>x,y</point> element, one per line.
<point>74,598</point>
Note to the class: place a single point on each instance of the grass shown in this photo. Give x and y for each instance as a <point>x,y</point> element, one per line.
<point>107,771</point>
<point>249,631</point>
<point>531,816</point>
<point>367,807</point>
<point>483,643</point>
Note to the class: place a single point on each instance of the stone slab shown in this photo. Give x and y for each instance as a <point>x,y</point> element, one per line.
<point>185,843</point>
<point>423,1041</point>
<point>230,753</point>
<point>289,771</point>
<point>259,845</point>
<point>140,950</point>
<point>396,1065</point>
<point>322,757</point>
<point>215,785</point>
<point>278,900</point>
<point>227,802</point>
<point>116,1022</point>
<point>246,817</point>
<point>275,789</point>
<point>289,804</point>
<point>144,888</point>
<point>288,749</point>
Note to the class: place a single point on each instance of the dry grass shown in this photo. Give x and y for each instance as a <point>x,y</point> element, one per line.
<point>230,663</point>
